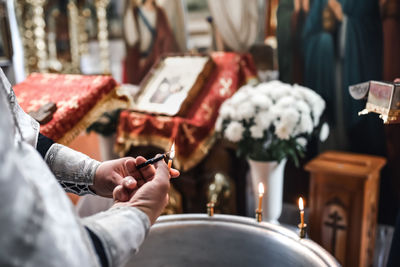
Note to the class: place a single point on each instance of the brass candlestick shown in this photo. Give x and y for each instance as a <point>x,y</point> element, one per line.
<point>302,232</point>
<point>258,215</point>
<point>210,209</point>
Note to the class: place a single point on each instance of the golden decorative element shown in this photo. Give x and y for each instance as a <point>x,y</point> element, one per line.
<point>83,35</point>
<point>32,27</point>
<point>40,57</point>
<point>109,102</point>
<point>210,209</point>
<point>302,232</point>
<point>219,189</point>
<point>73,19</point>
<point>259,215</point>
<point>387,115</point>
<point>102,35</point>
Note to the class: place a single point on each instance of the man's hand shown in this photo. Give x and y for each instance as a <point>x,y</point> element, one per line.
<point>111,174</point>
<point>151,197</point>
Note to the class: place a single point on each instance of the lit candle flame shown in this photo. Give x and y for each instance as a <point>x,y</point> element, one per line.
<point>172,153</point>
<point>260,189</point>
<point>171,156</point>
<point>301,204</point>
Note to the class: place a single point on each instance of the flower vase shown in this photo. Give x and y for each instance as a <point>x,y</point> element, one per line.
<point>270,173</point>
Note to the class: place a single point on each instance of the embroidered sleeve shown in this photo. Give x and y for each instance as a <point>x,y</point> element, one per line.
<point>120,246</point>
<point>74,170</point>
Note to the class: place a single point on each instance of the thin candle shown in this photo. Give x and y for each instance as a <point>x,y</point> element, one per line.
<point>171,156</point>
<point>301,207</point>
<point>260,195</point>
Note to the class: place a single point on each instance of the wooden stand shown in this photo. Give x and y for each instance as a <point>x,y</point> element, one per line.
<point>344,190</point>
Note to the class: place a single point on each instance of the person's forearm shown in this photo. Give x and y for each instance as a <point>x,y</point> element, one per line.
<point>74,170</point>
<point>121,231</point>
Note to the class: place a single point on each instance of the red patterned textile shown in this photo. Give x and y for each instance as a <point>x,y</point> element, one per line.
<point>80,101</point>
<point>193,134</point>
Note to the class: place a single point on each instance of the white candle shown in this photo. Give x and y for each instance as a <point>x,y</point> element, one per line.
<point>301,207</point>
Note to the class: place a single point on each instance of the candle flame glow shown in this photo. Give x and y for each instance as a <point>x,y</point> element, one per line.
<point>301,204</point>
<point>172,153</point>
<point>260,188</point>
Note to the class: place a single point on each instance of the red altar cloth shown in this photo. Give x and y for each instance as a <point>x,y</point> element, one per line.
<point>194,133</point>
<point>80,101</point>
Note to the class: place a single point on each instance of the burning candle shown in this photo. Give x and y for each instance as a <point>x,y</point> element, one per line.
<point>301,207</point>
<point>171,156</point>
<point>260,195</point>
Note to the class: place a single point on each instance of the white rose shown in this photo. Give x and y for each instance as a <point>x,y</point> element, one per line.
<point>256,131</point>
<point>282,130</point>
<point>234,131</point>
<point>264,119</point>
<point>275,112</point>
<point>285,101</point>
<point>323,135</point>
<point>266,87</point>
<point>239,97</point>
<point>260,100</point>
<point>290,116</point>
<point>280,91</point>
<point>318,108</point>
<point>227,111</point>
<point>303,107</point>
<point>306,124</point>
<point>245,111</point>
<point>302,141</point>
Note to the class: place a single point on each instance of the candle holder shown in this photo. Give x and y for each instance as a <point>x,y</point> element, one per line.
<point>210,209</point>
<point>302,232</point>
<point>258,215</point>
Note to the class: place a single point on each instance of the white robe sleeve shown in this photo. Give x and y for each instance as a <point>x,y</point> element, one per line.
<point>121,231</point>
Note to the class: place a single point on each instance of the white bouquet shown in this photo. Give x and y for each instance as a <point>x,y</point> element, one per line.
<point>271,121</point>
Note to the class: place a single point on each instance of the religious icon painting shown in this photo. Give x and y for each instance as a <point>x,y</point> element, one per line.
<point>173,83</point>
<point>5,35</point>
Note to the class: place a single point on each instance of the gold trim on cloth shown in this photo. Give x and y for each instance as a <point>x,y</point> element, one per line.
<point>107,103</point>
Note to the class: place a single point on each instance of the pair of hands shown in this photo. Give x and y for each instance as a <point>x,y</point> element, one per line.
<point>146,188</point>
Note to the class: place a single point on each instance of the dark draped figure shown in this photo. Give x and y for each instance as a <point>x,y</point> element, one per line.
<point>336,59</point>
<point>285,43</point>
<point>330,67</point>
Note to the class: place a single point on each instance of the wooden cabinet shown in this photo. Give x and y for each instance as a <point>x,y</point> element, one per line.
<point>344,191</point>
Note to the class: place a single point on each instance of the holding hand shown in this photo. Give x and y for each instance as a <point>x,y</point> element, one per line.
<point>111,174</point>
<point>152,196</point>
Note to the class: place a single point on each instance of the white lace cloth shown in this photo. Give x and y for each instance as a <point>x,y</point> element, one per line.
<point>38,225</point>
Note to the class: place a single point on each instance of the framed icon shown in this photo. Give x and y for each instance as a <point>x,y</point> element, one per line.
<point>173,83</point>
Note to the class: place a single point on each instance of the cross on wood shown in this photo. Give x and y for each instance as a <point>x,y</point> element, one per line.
<point>334,224</point>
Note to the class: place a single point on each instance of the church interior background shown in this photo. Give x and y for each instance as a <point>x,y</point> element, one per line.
<point>178,70</point>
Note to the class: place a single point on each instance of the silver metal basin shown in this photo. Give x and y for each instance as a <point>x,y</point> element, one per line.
<point>192,240</point>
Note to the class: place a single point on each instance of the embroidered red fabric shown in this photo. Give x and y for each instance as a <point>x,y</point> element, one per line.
<point>74,95</point>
